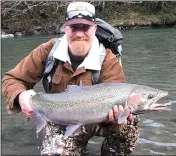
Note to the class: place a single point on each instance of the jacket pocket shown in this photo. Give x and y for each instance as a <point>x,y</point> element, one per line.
<point>56,78</point>
<point>57,86</point>
<point>59,83</point>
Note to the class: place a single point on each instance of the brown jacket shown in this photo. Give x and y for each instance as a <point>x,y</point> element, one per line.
<point>28,72</point>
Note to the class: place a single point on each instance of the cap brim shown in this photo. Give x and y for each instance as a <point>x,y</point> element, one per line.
<point>79,21</point>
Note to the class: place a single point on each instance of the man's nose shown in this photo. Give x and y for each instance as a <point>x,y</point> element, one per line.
<point>79,33</point>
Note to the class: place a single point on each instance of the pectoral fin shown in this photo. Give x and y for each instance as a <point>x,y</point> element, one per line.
<point>72,129</point>
<point>123,114</point>
<point>71,88</point>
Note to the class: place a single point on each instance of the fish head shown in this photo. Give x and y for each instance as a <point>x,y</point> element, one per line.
<point>144,99</point>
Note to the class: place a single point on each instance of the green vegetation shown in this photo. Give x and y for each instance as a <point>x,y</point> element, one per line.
<point>45,16</point>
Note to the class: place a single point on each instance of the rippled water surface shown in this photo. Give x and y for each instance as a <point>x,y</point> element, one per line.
<point>149,58</point>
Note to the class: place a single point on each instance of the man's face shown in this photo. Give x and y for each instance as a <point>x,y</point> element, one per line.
<point>80,38</point>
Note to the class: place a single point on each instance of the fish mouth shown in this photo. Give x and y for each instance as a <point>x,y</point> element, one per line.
<point>155,106</point>
<point>161,106</point>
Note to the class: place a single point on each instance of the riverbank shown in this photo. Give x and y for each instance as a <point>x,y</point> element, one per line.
<point>45,17</point>
<point>140,15</point>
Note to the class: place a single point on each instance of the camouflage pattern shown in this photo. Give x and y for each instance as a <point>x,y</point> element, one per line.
<point>53,142</point>
<point>119,139</point>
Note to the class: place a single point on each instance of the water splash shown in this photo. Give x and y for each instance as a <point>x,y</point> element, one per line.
<point>151,123</point>
<point>157,153</point>
<point>145,141</point>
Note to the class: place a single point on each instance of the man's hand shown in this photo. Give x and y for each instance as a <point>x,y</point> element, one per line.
<point>24,101</point>
<point>113,114</point>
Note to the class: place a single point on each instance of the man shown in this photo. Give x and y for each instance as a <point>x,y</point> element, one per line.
<point>79,54</point>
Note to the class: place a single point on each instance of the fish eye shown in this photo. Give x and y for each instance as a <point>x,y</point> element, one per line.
<point>150,96</point>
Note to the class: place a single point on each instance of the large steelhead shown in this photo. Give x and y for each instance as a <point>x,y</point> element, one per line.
<point>80,105</point>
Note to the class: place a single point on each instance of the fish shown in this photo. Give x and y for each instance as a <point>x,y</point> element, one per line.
<point>81,105</point>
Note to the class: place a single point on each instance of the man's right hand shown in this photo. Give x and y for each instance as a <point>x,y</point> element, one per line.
<point>24,101</point>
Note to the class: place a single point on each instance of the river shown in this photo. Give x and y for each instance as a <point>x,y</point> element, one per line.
<point>149,58</point>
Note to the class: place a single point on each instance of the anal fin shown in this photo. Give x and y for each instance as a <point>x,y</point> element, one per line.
<point>40,122</point>
<point>72,129</point>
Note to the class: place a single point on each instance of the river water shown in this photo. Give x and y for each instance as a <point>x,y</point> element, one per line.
<point>149,58</point>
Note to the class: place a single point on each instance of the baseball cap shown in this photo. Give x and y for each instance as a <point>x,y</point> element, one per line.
<point>80,13</point>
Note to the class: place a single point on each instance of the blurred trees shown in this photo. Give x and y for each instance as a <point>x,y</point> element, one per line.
<point>23,15</point>
<point>26,15</point>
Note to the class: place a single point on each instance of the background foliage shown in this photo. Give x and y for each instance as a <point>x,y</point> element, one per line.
<point>26,16</point>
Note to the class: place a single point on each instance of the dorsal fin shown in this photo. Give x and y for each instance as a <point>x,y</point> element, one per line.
<point>71,88</point>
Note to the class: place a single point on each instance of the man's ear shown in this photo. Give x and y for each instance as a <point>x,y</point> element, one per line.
<point>95,27</point>
<point>65,27</point>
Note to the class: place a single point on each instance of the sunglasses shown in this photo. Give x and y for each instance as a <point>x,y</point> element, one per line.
<point>80,14</point>
<point>78,27</point>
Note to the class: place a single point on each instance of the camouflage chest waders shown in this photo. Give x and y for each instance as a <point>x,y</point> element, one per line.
<point>53,142</point>
<point>119,139</point>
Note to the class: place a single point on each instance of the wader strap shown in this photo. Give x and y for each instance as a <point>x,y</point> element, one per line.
<point>51,64</point>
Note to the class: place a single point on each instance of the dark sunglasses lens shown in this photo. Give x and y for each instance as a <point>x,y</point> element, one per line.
<point>80,14</point>
<point>83,27</point>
